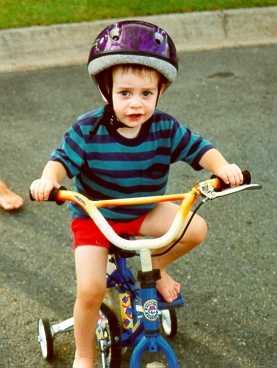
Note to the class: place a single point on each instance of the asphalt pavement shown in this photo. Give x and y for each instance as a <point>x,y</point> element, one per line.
<point>229,96</point>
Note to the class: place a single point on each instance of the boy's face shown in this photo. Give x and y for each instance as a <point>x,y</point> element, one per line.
<point>134,95</point>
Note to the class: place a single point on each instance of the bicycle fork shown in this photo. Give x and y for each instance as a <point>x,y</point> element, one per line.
<point>151,339</point>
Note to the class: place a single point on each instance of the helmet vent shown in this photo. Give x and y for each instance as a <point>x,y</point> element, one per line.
<point>114,34</point>
<point>158,38</point>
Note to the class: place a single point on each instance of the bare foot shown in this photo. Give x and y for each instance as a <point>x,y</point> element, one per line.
<point>82,363</point>
<point>8,199</point>
<point>168,287</point>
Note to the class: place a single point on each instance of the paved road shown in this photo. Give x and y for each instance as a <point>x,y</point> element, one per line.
<point>229,283</point>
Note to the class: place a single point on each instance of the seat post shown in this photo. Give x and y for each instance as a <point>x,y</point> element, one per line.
<point>145,260</point>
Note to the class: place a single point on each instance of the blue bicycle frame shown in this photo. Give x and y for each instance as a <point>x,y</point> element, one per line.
<point>141,312</point>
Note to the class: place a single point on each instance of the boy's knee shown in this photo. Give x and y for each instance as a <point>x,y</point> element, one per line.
<point>199,231</point>
<point>92,295</point>
<point>203,231</point>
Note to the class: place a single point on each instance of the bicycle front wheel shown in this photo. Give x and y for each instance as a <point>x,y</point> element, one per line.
<point>108,349</point>
<point>169,322</point>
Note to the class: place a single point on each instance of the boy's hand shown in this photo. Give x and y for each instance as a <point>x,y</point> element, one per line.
<point>41,188</point>
<point>231,174</point>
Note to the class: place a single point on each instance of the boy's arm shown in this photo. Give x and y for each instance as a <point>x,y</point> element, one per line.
<point>54,170</point>
<point>214,162</point>
<point>52,175</point>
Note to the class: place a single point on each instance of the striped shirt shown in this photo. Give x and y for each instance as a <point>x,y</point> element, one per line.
<point>106,165</point>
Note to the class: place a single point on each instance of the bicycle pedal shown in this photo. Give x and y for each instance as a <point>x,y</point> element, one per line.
<point>178,302</point>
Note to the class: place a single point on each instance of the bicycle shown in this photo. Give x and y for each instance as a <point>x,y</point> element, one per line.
<point>142,310</point>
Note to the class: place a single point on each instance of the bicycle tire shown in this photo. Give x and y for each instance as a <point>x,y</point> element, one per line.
<point>169,322</point>
<point>45,339</point>
<point>111,356</point>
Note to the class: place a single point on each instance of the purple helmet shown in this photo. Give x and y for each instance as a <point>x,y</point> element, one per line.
<point>134,42</point>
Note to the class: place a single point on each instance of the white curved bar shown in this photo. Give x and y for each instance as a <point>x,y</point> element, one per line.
<point>167,239</point>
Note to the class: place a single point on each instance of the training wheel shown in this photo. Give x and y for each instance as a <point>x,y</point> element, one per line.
<point>45,339</point>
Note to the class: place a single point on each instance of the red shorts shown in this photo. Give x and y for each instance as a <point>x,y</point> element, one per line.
<point>85,232</point>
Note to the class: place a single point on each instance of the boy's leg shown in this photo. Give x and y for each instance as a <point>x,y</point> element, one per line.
<point>90,263</point>
<point>8,199</point>
<point>155,224</point>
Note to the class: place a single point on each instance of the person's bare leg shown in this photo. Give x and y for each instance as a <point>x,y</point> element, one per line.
<point>90,264</point>
<point>156,223</point>
<point>8,199</point>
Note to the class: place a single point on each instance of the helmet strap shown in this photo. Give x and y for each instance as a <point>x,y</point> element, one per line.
<point>113,121</point>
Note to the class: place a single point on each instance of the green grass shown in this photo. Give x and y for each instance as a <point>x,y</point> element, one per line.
<point>24,13</point>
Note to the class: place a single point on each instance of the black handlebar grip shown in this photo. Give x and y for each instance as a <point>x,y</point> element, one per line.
<point>246,180</point>
<point>246,177</point>
<point>30,196</point>
<point>52,195</point>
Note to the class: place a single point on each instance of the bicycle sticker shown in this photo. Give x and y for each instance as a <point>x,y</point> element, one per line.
<point>126,311</point>
<point>150,308</point>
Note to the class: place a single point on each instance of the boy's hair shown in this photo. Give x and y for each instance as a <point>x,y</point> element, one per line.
<point>140,70</point>
<point>105,78</point>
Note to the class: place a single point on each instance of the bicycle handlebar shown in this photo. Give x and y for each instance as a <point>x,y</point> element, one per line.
<point>216,183</point>
<point>207,188</point>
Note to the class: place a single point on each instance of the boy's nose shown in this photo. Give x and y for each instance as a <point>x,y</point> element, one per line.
<point>135,102</point>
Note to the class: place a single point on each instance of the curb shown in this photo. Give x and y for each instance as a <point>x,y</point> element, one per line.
<point>68,44</point>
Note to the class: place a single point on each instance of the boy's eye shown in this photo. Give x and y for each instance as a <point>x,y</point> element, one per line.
<point>147,93</point>
<point>124,93</point>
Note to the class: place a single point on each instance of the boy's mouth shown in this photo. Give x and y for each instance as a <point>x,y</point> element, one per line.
<point>134,116</point>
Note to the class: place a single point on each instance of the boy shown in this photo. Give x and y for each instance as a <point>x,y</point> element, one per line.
<point>125,149</point>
